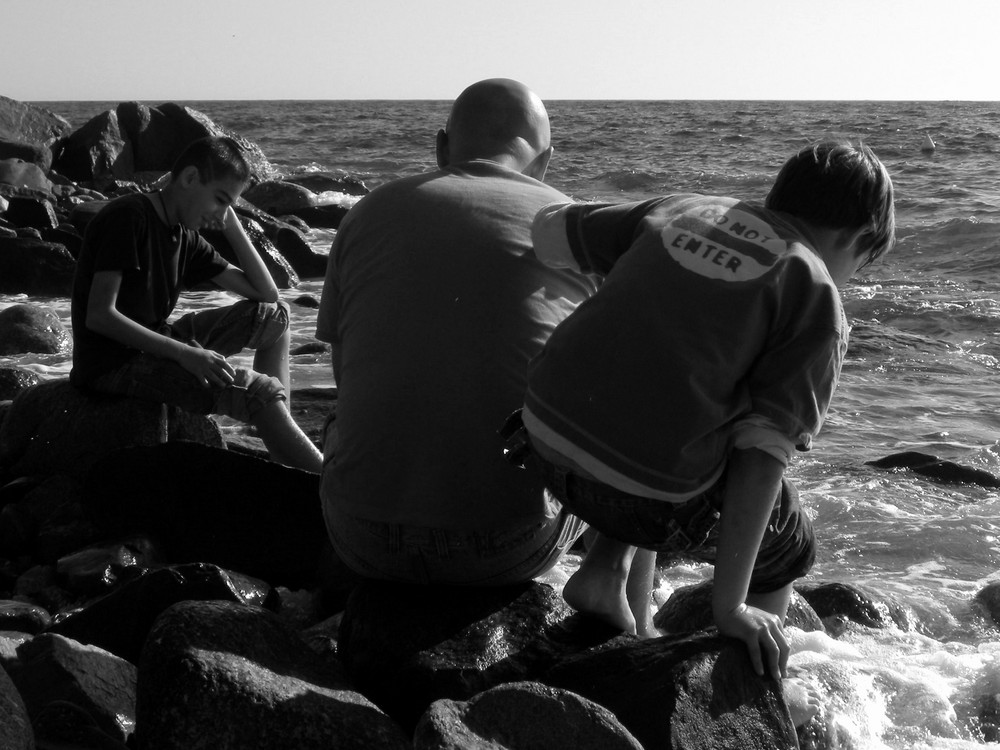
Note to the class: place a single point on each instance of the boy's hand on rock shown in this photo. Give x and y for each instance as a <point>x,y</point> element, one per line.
<point>209,367</point>
<point>763,635</point>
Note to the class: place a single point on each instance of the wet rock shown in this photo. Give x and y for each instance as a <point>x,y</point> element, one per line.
<point>306,300</point>
<point>280,269</point>
<point>522,715</point>
<point>233,510</point>
<point>258,685</point>
<point>315,347</point>
<point>23,617</point>
<point>13,380</point>
<point>34,267</point>
<point>120,621</point>
<point>325,182</point>
<point>989,717</point>
<point>31,212</point>
<point>860,604</point>
<point>940,469</point>
<point>16,732</point>
<point>684,693</point>
<point>327,216</point>
<point>278,197</point>
<point>987,601</point>
<point>54,668</point>
<point>24,174</point>
<point>32,328</point>
<point>407,646</point>
<point>97,151</point>
<point>689,609</point>
<point>53,428</point>
<point>98,569</point>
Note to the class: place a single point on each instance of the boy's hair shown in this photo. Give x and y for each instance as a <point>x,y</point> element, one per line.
<point>215,158</point>
<point>837,185</point>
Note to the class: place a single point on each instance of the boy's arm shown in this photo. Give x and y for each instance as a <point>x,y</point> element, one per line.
<point>103,317</point>
<point>251,280</point>
<point>752,482</point>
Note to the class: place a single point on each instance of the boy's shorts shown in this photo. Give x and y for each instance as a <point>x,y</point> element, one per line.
<point>226,330</point>
<point>689,529</point>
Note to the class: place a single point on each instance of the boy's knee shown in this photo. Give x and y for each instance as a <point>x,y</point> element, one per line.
<point>271,322</point>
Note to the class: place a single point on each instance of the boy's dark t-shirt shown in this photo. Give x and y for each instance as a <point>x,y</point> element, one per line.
<point>156,262</point>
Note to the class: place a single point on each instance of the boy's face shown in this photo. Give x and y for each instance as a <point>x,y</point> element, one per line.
<point>204,204</point>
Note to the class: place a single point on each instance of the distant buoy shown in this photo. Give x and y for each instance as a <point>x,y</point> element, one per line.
<point>928,146</point>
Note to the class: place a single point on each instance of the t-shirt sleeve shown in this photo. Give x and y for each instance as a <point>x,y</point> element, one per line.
<point>588,237</point>
<point>203,262</point>
<point>793,381</point>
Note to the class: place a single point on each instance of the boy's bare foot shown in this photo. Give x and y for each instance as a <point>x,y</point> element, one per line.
<point>600,596</point>
<point>803,699</point>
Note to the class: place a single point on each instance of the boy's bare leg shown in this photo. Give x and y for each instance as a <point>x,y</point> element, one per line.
<point>598,588</point>
<point>285,441</point>
<point>639,590</point>
<point>273,360</point>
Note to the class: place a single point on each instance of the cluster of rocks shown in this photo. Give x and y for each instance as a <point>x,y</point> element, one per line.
<point>54,179</point>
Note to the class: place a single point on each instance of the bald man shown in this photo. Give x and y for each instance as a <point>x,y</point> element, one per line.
<point>434,303</point>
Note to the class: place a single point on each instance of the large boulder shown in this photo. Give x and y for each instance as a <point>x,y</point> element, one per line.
<point>120,621</point>
<point>34,267</point>
<point>31,328</point>
<point>13,380</point>
<point>860,604</point>
<point>97,151</point>
<point>28,131</point>
<point>19,173</point>
<point>25,211</point>
<point>278,197</point>
<point>15,724</point>
<point>217,675</point>
<point>408,646</point>
<point>53,428</point>
<point>522,715</point>
<point>280,269</point>
<point>53,668</point>
<point>689,693</point>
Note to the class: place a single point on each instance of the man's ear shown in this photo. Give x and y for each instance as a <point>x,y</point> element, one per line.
<point>441,149</point>
<point>538,165</point>
<point>188,176</point>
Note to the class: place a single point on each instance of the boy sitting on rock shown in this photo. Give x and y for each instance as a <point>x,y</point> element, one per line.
<point>138,254</point>
<point>665,409</point>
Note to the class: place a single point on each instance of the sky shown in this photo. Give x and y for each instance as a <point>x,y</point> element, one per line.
<point>189,50</point>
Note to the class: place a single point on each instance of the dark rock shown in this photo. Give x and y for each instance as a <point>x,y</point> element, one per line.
<point>987,601</point>
<point>306,300</point>
<point>292,245</point>
<point>407,646</point>
<point>278,197</point>
<point>24,174</point>
<point>67,237</point>
<point>324,182</point>
<point>989,717</point>
<point>280,269</point>
<point>96,151</point>
<point>48,521</point>
<point>936,468</point>
<point>97,569</point>
<point>31,328</point>
<point>29,123</point>
<point>82,213</point>
<point>689,609</point>
<point>13,380</point>
<point>31,212</point>
<point>315,347</point>
<point>62,724</point>
<point>53,428</point>
<point>54,668</point>
<point>860,604</point>
<point>696,692</point>
<point>327,216</point>
<point>31,266</point>
<point>30,153</point>
<point>245,514</point>
<point>257,685</point>
<point>16,732</point>
<point>23,617</point>
<point>522,715</point>
<point>120,621</point>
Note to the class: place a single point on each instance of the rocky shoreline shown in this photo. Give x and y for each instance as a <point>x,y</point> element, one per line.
<point>164,585</point>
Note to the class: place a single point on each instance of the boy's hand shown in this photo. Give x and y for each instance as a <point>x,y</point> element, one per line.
<point>763,635</point>
<point>209,367</point>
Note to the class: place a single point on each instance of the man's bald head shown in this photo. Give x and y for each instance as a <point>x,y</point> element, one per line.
<point>500,120</point>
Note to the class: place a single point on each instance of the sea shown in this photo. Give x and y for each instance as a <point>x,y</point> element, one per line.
<point>922,371</point>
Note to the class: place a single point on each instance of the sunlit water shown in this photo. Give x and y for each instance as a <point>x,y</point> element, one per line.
<point>923,371</point>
